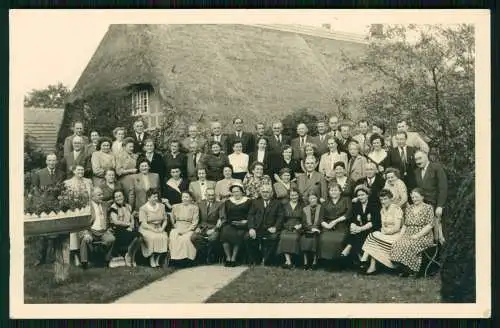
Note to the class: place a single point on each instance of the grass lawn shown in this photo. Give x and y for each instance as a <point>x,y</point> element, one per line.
<point>95,285</point>
<point>276,285</point>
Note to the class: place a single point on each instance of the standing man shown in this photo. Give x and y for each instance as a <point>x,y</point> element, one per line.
<point>193,160</point>
<point>363,137</point>
<point>77,128</point>
<point>76,157</point>
<point>345,138</point>
<point>246,138</point>
<point>413,138</point>
<point>89,150</point>
<point>333,123</point>
<point>49,176</point>
<point>139,136</point>
<point>278,140</point>
<point>373,181</point>
<point>193,136</point>
<point>402,157</point>
<point>321,140</point>
<point>218,136</point>
<point>299,142</point>
<point>265,219</point>
<point>260,129</point>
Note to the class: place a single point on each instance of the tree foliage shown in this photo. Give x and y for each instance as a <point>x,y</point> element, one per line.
<point>53,96</point>
<point>428,74</point>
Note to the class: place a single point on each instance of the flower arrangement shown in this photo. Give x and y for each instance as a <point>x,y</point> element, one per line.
<point>55,199</point>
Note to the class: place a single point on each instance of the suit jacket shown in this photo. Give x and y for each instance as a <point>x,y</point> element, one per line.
<point>246,139</point>
<point>364,142</point>
<point>356,168</point>
<point>275,147</point>
<point>208,219</point>
<point>195,189</point>
<point>180,160</point>
<point>372,209</point>
<point>434,184</point>
<point>316,184</point>
<point>139,144</point>
<point>42,179</point>
<point>322,146</point>
<point>69,162</point>
<point>267,161</point>
<point>137,192</point>
<point>105,207</point>
<point>261,218</point>
<point>414,140</point>
<point>68,143</point>
<point>375,188</point>
<point>156,165</point>
<point>297,152</point>
<point>343,145</point>
<point>192,167</point>
<point>202,144</point>
<point>224,140</point>
<point>407,171</point>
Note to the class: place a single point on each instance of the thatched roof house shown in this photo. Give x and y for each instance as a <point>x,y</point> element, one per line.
<point>219,71</point>
<point>41,125</point>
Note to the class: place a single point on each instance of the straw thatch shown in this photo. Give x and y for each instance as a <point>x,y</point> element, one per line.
<point>42,124</point>
<point>259,72</point>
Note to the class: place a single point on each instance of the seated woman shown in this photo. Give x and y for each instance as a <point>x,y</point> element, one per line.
<point>312,215</point>
<point>396,186</point>
<point>339,177</point>
<point>283,186</point>
<point>222,192</point>
<point>235,224</point>
<point>288,244</point>
<point>174,187</point>
<point>109,186</point>
<point>285,161</point>
<point>334,228</point>
<point>378,244</point>
<point>309,150</point>
<point>378,155</point>
<point>184,218</point>
<point>153,221</point>
<point>416,235</point>
<point>214,161</point>
<point>364,219</point>
<point>254,180</point>
<point>239,161</point>
<point>122,225</point>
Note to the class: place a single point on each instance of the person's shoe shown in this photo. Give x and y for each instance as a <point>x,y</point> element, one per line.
<point>84,265</point>
<point>314,267</point>
<point>371,273</point>
<point>306,267</point>
<point>363,265</point>
<point>152,262</point>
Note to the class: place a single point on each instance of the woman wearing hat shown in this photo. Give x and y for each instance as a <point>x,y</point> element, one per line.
<point>365,218</point>
<point>235,224</point>
<point>339,177</point>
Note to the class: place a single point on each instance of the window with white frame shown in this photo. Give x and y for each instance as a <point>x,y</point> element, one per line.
<point>140,102</point>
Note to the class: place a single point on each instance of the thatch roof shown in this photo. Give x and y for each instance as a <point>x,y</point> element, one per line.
<point>42,125</point>
<point>254,71</point>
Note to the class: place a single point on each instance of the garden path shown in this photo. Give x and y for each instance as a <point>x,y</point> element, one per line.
<point>191,285</point>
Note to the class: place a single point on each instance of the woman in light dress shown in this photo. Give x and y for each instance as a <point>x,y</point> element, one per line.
<point>239,161</point>
<point>184,218</point>
<point>378,244</point>
<point>309,150</point>
<point>378,154</point>
<point>222,191</point>
<point>283,186</point>
<point>334,155</point>
<point>117,146</point>
<point>126,165</point>
<point>396,186</point>
<point>102,160</point>
<point>153,221</point>
<point>254,180</point>
<point>77,184</point>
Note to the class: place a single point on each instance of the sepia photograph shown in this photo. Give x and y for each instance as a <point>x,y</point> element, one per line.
<point>284,158</point>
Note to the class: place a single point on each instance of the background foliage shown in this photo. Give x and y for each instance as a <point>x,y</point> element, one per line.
<point>54,96</point>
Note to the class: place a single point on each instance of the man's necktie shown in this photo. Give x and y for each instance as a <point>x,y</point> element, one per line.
<point>403,158</point>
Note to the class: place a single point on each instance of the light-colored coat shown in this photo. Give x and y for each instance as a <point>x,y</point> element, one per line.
<point>137,192</point>
<point>356,168</point>
<point>195,189</point>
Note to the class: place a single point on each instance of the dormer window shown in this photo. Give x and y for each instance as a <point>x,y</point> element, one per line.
<point>140,102</point>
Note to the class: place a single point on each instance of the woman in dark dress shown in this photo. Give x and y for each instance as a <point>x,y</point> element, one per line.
<point>109,186</point>
<point>235,224</point>
<point>334,228</point>
<point>262,155</point>
<point>285,161</point>
<point>123,227</point>
<point>214,162</point>
<point>174,187</point>
<point>154,159</point>
<point>288,244</point>
<point>312,215</point>
<point>365,217</point>
<point>282,188</point>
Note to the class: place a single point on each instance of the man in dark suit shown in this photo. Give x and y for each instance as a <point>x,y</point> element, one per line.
<point>238,134</point>
<point>278,140</point>
<point>77,132</point>
<point>321,140</point>
<point>260,129</point>
<point>312,182</point>
<point>76,157</point>
<point>374,181</point>
<point>49,176</point>
<point>345,138</point>
<point>218,136</point>
<point>264,224</point>
<point>431,178</point>
<point>193,160</point>
<point>299,142</point>
<point>402,157</point>
<point>139,136</point>
<point>206,234</point>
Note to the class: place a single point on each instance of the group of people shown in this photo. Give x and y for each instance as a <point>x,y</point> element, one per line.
<point>334,198</point>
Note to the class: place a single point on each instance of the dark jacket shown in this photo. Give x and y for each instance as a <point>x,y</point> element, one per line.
<point>434,184</point>
<point>261,218</point>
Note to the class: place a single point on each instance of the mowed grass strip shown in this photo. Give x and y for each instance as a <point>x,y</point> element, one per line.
<point>276,285</point>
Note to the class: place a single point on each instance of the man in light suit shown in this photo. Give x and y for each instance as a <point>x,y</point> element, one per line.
<point>193,136</point>
<point>143,181</point>
<point>193,160</point>
<point>265,220</point>
<point>413,138</point>
<point>206,234</point>
<point>312,181</point>
<point>357,163</point>
<point>99,230</point>
<point>299,142</point>
<point>47,177</point>
<point>75,157</point>
<point>77,132</point>
<point>246,138</point>
<point>363,137</point>
<point>402,157</point>
<point>198,188</point>
<point>321,140</point>
<point>277,140</point>
<point>218,136</point>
